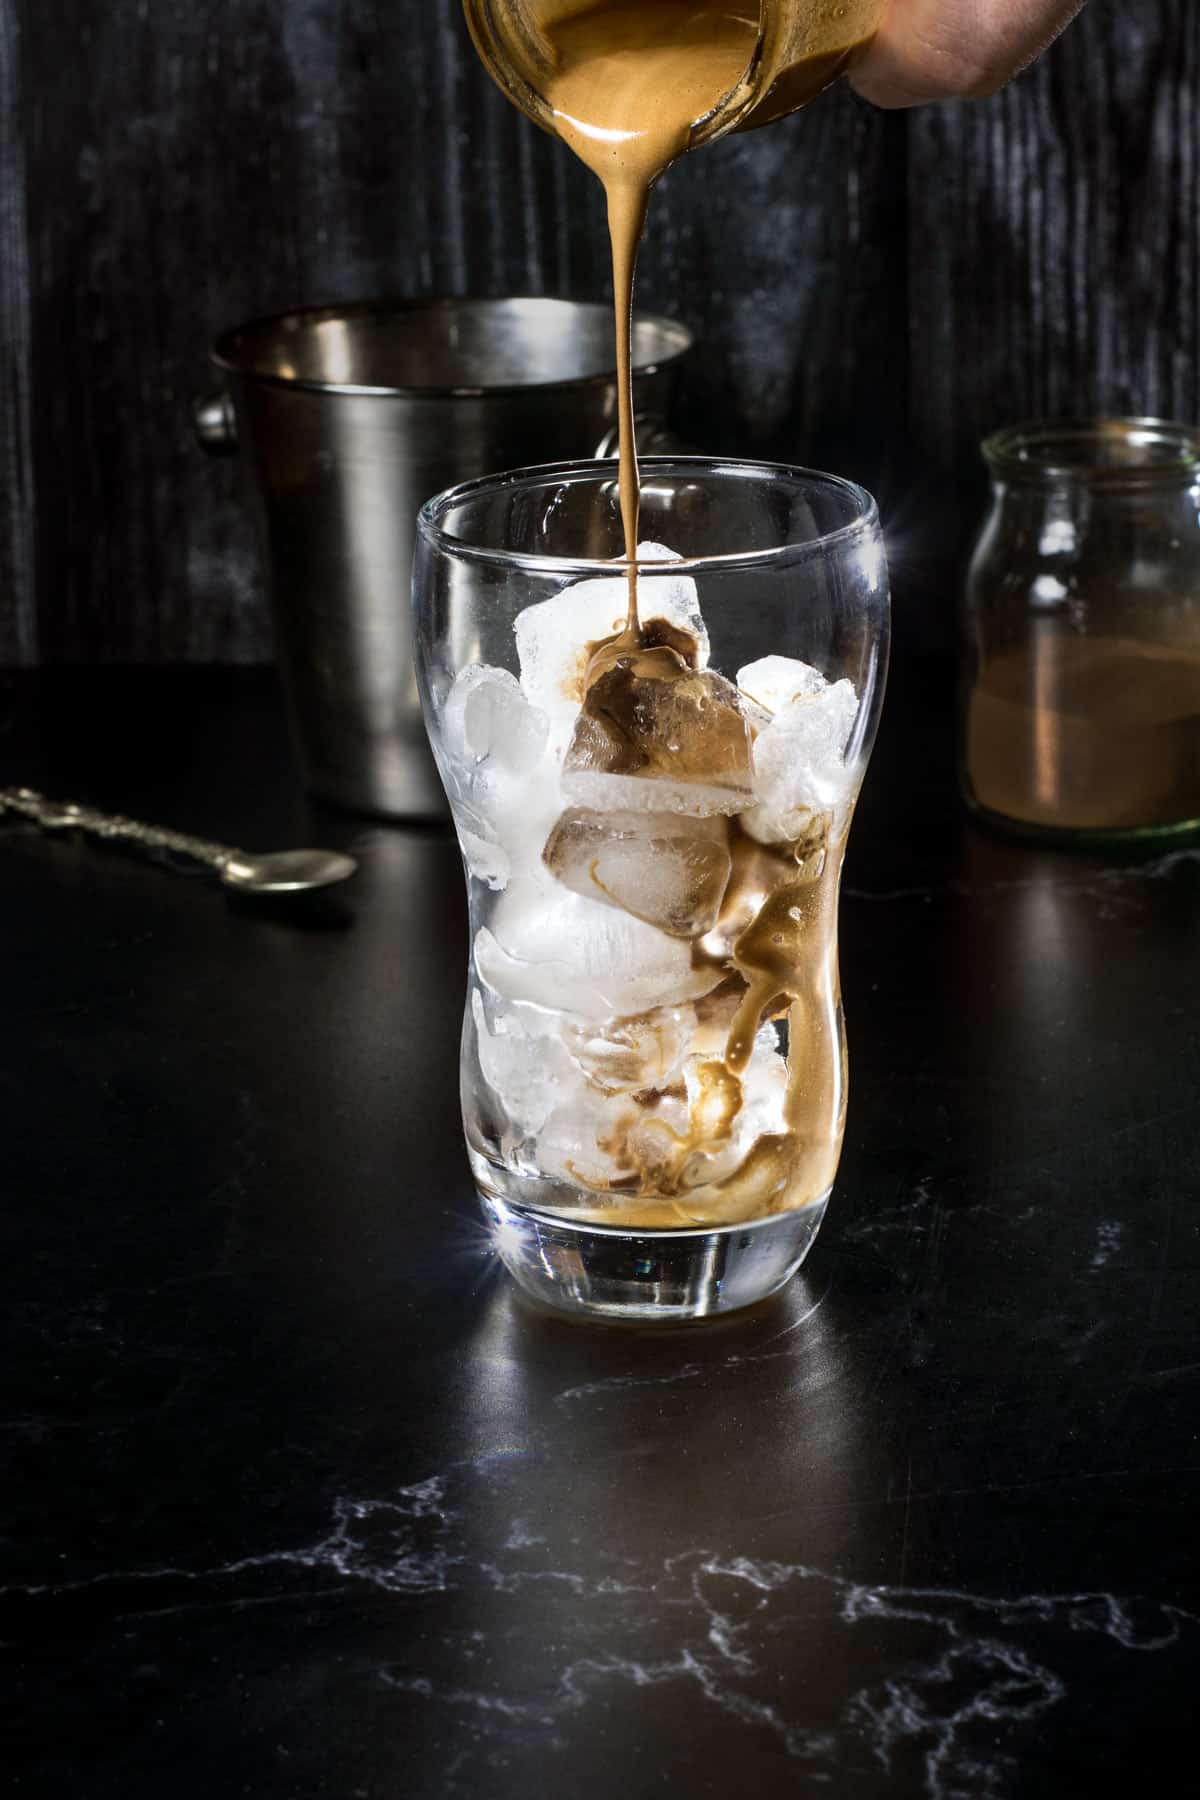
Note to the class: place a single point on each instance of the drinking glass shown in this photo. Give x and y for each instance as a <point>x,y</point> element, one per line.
<point>653,1053</point>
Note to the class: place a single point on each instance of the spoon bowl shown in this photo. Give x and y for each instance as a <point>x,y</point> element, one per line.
<point>286,871</point>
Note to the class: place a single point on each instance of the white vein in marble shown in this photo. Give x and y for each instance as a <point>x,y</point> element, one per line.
<point>943,1715</point>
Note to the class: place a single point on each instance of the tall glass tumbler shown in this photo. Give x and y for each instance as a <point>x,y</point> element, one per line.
<point>653,1060</point>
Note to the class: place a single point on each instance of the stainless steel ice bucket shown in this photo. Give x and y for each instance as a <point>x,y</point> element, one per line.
<point>348,418</point>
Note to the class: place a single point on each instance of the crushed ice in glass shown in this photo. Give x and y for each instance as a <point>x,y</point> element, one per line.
<point>632,816</point>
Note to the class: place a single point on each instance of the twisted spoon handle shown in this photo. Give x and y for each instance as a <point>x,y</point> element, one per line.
<point>57,815</point>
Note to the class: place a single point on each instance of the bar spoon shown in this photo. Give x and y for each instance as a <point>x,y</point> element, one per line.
<point>271,872</point>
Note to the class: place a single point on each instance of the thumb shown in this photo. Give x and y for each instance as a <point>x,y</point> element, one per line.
<point>955,49</point>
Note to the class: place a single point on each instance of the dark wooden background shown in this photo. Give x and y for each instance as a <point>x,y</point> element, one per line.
<point>872,292</point>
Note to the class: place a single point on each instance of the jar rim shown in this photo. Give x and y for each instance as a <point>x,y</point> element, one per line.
<point>1096,452</point>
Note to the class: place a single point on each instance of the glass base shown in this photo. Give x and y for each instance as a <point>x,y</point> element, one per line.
<point>651,1277</point>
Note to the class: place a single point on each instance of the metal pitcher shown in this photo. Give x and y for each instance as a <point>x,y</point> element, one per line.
<point>348,419</point>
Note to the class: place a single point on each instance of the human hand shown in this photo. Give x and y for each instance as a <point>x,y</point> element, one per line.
<point>956,49</point>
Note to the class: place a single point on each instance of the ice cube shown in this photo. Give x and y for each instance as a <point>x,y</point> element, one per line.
<point>570,1123</point>
<point>524,1063</point>
<point>488,720</point>
<point>762,1110</point>
<point>631,1138</point>
<point>799,772</point>
<point>655,735</point>
<point>552,948</point>
<point>667,869</point>
<point>632,1056</point>
<point>503,783</point>
<point>632,793</point>
<point>488,861</point>
<point>649,551</point>
<point>775,681</point>
<point>555,637</point>
<point>585,1139</point>
<point>764,1086</point>
<point>610,1140</point>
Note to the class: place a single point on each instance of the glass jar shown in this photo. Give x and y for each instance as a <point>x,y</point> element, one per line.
<point>801,47</point>
<point>1082,693</point>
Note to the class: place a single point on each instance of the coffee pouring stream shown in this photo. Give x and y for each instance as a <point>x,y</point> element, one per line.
<point>632,85</point>
<point>693,819</point>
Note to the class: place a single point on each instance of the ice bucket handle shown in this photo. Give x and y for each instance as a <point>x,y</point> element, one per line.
<point>215,424</point>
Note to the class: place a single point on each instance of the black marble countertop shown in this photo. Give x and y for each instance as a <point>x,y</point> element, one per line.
<point>301,1500</point>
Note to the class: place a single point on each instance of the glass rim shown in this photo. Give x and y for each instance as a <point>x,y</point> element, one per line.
<point>1025,452</point>
<point>595,470</point>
